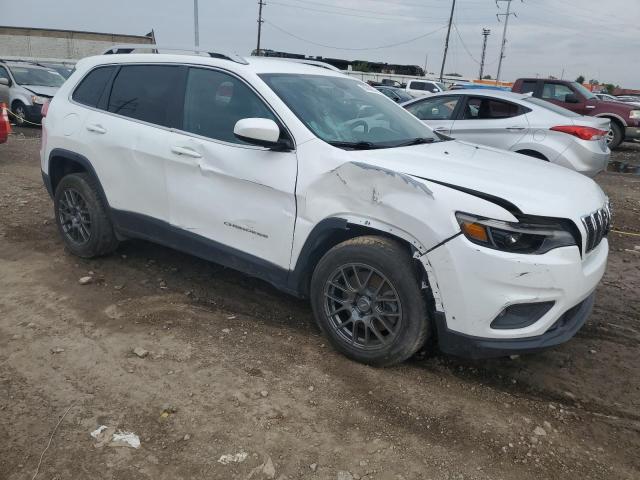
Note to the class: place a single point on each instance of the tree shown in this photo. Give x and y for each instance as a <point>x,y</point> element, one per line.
<point>580,79</point>
<point>361,67</point>
<point>487,77</point>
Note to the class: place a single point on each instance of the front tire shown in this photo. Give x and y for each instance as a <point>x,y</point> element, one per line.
<point>366,299</point>
<point>82,217</point>
<point>615,136</point>
<point>19,112</point>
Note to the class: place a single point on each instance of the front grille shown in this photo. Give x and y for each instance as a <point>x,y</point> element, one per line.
<point>597,225</point>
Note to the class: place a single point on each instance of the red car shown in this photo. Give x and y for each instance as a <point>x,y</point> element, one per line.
<point>625,118</point>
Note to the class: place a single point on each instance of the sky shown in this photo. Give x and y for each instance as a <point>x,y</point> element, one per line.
<point>563,38</point>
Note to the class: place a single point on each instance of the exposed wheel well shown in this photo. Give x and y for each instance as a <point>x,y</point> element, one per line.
<point>60,166</point>
<point>533,153</point>
<point>320,244</point>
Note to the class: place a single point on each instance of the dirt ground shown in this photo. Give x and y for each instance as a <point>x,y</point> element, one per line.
<point>237,368</point>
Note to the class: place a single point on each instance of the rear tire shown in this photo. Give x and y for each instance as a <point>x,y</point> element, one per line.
<point>82,217</point>
<point>366,299</point>
<point>615,136</point>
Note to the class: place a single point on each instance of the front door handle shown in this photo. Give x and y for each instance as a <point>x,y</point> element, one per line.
<point>441,129</point>
<point>95,128</point>
<point>515,129</point>
<point>590,107</point>
<point>187,152</point>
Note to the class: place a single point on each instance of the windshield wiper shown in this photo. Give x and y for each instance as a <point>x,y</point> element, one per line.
<point>415,141</point>
<point>356,145</point>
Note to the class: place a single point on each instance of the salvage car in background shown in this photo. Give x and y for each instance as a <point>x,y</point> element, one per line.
<point>30,86</point>
<point>625,118</point>
<point>519,123</point>
<point>421,88</point>
<point>398,95</point>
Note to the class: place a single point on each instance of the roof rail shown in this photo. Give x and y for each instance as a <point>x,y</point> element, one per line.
<point>132,47</point>
<point>314,63</point>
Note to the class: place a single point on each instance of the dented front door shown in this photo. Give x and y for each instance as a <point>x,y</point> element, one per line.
<point>221,188</point>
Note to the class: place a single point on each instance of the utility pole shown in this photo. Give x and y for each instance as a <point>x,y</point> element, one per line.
<point>485,33</point>
<point>446,43</point>
<point>504,34</point>
<point>260,22</point>
<point>426,60</point>
<point>196,27</point>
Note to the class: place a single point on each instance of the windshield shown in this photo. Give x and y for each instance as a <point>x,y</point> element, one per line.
<point>36,76</point>
<point>551,106</point>
<point>348,113</point>
<point>583,90</point>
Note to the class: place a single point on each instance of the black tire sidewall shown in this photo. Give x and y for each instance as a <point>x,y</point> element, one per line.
<point>19,121</point>
<point>80,183</point>
<point>397,266</point>
<point>618,136</point>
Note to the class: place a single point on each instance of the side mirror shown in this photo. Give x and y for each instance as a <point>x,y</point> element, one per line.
<point>259,131</point>
<point>4,81</point>
<point>571,98</point>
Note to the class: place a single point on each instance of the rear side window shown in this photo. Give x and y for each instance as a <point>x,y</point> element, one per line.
<point>482,108</point>
<point>92,86</point>
<point>144,92</point>
<point>418,86</point>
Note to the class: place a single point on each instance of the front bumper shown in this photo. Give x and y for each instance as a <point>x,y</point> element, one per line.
<point>632,133</point>
<point>34,112</point>
<point>473,285</point>
<point>564,329</point>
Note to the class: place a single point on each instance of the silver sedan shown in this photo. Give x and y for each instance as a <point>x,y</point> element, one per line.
<point>519,123</point>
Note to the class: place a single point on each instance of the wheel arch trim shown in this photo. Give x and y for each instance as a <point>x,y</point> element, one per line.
<point>76,158</point>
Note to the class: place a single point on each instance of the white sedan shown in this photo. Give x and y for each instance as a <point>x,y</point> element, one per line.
<point>519,123</point>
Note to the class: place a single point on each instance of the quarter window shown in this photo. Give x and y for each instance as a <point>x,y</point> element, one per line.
<point>482,108</point>
<point>92,86</point>
<point>439,108</point>
<point>215,101</point>
<point>529,86</point>
<point>144,92</point>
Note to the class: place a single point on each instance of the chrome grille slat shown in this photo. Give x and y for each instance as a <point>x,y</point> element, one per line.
<point>597,226</point>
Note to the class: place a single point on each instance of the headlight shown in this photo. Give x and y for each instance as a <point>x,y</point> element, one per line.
<point>635,114</point>
<point>532,235</point>
<point>35,99</point>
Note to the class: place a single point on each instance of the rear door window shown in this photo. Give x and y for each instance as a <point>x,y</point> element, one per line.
<point>92,86</point>
<point>145,92</point>
<point>556,91</point>
<point>215,101</point>
<point>483,108</point>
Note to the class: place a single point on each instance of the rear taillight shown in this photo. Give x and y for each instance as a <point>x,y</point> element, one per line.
<point>583,133</point>
<point>45,108</point>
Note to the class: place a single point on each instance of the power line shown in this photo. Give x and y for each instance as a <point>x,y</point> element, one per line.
<point>455,27</point>
<point>404,42</point>
<point>345,14</point>
<point>375,12</point>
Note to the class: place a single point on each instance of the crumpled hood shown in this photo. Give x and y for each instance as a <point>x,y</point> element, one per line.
<point>534,186</point>
<point>42,91</point>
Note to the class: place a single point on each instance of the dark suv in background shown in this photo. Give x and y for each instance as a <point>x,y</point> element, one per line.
<point>625,118</point>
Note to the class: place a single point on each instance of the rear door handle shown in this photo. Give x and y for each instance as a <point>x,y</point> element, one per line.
<point>515,129</point>
<point>95,128</point>
<point>590,107</point>
<point>187,152</point>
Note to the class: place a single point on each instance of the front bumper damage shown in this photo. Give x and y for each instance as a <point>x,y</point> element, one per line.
<point>472,286</point>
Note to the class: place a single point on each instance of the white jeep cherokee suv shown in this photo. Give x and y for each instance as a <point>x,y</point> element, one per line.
<point>322,186</point>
